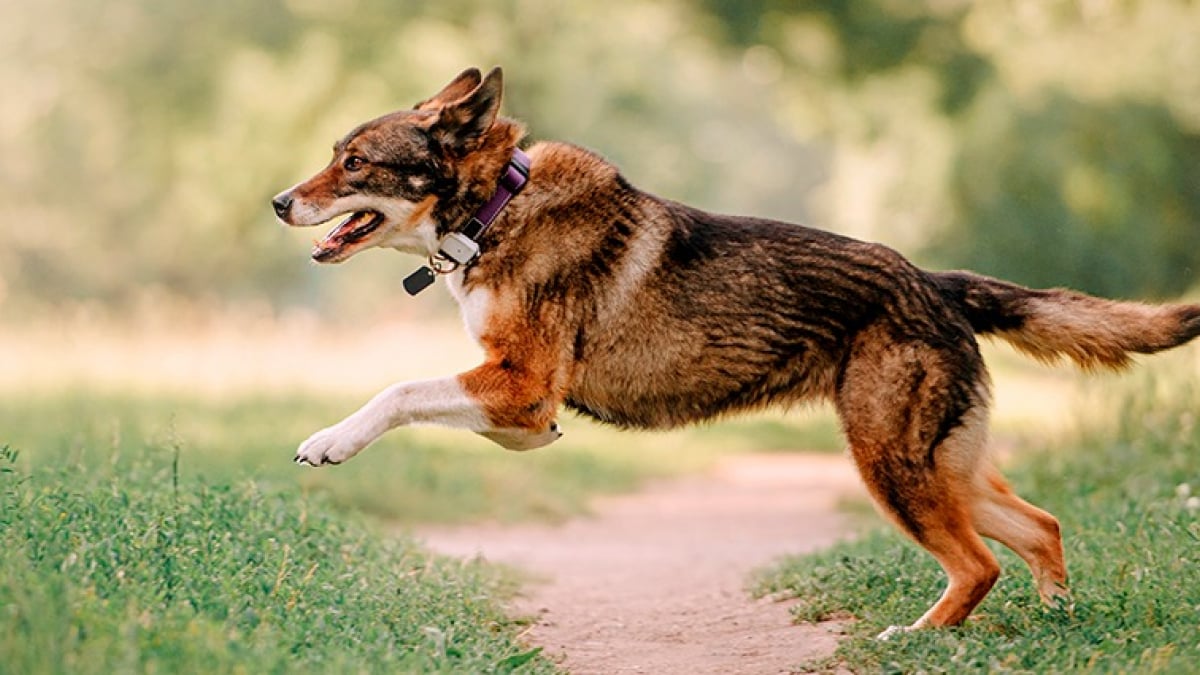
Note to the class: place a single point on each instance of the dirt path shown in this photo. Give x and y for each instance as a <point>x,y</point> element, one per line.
<point>655,582</point>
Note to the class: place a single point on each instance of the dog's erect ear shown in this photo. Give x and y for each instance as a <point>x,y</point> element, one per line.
<point>459,87</point>
<point>462,122</point>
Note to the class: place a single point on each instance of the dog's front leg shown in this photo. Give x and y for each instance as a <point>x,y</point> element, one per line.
<point>453,402</point>
<point>441,401</point>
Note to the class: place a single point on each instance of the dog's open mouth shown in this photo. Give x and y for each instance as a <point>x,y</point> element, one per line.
<point>351,230</point>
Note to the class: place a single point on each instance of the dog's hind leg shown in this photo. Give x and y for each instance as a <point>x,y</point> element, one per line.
<point>935,510</point>
<point>1029,531</point>
<point>915,416</point>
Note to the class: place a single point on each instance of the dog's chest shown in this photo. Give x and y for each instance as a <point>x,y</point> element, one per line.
<point>475,305</point>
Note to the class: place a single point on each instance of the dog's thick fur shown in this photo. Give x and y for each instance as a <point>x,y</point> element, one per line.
<point>645,313</point>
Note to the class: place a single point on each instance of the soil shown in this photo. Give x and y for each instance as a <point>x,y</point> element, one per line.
<point>655,582</point>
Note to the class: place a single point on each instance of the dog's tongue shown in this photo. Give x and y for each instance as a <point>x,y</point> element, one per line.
<point>336,240</point>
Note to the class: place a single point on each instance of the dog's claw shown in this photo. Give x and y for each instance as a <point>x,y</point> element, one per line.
<point>328,447</point>
<point>304,461</point>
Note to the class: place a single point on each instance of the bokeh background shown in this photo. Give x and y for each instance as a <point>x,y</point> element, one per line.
<point>165,344</point>
<point>1048,142</point>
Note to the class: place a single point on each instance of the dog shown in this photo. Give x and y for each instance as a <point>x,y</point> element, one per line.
<point>644,313</point>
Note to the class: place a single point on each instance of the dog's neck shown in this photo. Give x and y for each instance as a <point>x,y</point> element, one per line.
<point>512,181</point>
<point>460,248</point>
<point>476,174</point>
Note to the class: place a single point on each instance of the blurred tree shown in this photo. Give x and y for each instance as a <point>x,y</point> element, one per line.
<point>1053,143</point>
<point>140,140</point>
<point>1050,142</point>
<point>1100,195</point>
<point>867,37</point>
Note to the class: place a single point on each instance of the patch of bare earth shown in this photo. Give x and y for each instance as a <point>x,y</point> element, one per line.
<point>654,582</point>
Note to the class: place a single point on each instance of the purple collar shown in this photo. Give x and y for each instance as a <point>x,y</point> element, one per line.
<point>512,181</point>
<point>462,247</point>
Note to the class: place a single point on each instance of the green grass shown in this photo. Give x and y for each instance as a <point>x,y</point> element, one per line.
<point>1132,541</point>
<point>146,570</point>
<point>415,475</point>
<point>160,534</point>
<point>411,475</point>
<point>149,533</point>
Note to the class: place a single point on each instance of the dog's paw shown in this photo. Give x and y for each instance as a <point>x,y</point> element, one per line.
<point>893,631</point>
<point>1057,597</point>
<point>331,445</point>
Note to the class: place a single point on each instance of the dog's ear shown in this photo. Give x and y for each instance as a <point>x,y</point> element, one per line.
<point>461,123</point>
<point>459,87</point>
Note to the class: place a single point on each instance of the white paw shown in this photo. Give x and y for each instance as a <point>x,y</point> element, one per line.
<point>891,632</point>
<point>332,445</point>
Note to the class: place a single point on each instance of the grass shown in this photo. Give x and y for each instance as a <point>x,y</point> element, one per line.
<point>152,533</point>
<point>417,475</point>
<point>1124,491</point>
<point>148,570</point>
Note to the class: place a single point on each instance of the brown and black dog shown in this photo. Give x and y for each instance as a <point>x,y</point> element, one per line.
<point>645,313</point>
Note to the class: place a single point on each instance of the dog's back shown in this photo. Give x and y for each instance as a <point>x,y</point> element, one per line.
<point>670,315</point>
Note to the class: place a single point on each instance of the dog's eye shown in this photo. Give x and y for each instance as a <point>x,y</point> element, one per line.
<point>353,163</point>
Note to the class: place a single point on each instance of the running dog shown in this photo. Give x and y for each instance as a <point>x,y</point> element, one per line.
<point>640,312</point>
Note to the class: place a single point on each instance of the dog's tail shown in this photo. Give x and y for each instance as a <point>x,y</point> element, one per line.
<point>1050,324</point>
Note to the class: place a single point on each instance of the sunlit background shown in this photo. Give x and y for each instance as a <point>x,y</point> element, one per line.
<point>1053,143</point>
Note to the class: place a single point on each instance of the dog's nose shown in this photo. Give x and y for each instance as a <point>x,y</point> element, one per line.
<point>282,203</point>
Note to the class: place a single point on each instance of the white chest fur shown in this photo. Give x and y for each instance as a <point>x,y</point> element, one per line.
<point>475,305</point>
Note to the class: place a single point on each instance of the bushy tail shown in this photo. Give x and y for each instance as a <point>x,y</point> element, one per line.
<point>1050,324</point>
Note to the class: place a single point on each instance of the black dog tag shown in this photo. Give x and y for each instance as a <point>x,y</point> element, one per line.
<point>419,280</point>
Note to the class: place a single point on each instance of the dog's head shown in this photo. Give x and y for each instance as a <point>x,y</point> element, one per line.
<point>405,178</point>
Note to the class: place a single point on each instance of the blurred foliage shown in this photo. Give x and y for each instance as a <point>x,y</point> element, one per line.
<point>142,140</point>
<point>1049,142</point>
<point>1102,195</point>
